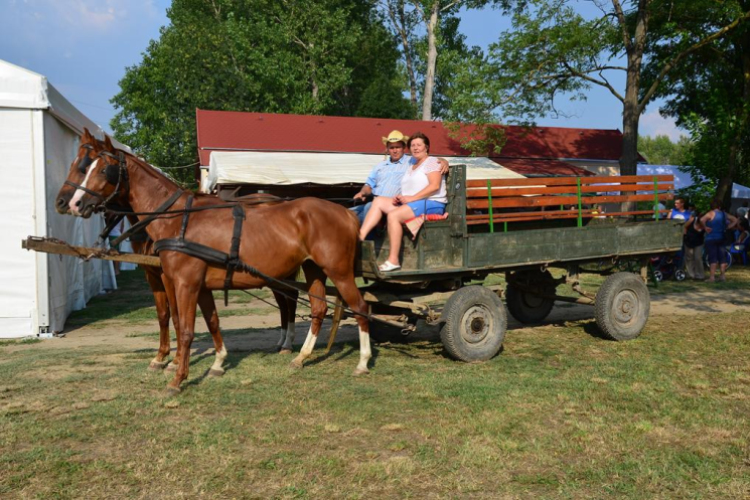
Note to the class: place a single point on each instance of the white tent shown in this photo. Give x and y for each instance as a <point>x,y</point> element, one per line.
<point>683,180</point>
<point>39,133</point>
<point>284,168</point>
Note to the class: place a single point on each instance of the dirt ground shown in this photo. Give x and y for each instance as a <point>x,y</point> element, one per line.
<point>265,333</point>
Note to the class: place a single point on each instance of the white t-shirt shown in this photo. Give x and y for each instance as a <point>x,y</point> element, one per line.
<point>415,180</point>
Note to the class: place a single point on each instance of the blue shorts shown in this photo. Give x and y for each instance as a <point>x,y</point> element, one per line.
<point>421,207</point>
<point>715,251</point>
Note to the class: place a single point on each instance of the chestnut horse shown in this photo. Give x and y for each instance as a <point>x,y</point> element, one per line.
<point>88,151</point>
<point>317,235</point>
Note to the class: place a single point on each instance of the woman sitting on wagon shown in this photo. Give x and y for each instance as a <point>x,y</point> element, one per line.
<point>423,191</point>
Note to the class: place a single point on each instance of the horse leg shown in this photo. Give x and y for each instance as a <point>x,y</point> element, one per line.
<point>281,301</point>
<point>208,308</point>
<point>187,293</point>
<point>173,306</point>
<point>288,306</point>
<point>347,287</point>
<point>316,280</point>
<point>162,311</point>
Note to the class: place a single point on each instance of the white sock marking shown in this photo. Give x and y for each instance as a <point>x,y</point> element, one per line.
<point>289,339</point>
<point>364,350</point>
<point>220,357</point>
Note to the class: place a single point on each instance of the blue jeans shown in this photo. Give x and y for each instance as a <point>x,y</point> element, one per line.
<point>361,211</point>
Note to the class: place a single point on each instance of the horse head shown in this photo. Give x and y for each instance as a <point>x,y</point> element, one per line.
<point>105,178</point>
<point>88,150</point>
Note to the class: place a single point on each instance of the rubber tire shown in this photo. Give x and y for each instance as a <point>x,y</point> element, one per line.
<point>680,275</point>
<point>518,302</point>
<point>481,304</point>
<point>618,290</point>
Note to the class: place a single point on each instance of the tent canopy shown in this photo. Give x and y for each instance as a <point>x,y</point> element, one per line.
<point>277,168</point>
<point>39,136</point>
<point>683,179</point>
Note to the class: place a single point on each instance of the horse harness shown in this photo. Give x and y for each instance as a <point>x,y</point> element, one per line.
<point>115,174</point>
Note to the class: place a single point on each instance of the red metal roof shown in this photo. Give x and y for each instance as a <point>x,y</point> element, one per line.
<point>229,130</point>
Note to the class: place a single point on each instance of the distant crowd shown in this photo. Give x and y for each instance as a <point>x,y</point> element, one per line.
<point>714,235</point>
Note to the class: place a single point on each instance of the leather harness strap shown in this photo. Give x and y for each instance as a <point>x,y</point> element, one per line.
<point>238,213</point>
<point>145,222</point>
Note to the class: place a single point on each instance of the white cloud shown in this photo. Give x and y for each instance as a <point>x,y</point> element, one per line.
<point>653,124</point>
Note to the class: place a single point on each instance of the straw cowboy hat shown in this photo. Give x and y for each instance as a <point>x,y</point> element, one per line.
<point>396,136</point>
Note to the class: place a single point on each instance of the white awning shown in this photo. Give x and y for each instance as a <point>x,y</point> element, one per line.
<point>278,168</point>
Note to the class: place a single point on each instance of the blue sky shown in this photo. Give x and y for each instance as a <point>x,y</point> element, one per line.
<point>84,46</point>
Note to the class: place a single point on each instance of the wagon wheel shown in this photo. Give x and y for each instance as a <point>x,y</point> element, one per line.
<point>475,323</point>
<point>622,306</point>
<point>525,306</point>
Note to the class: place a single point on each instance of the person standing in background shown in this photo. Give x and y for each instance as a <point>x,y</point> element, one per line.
<point>693,243</point>
<point>717,222</point>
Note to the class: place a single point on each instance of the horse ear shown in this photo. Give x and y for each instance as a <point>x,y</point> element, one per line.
<point>108,143</point>
<point>86,134</point>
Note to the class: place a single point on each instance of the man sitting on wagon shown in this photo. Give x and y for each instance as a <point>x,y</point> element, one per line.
<point>385,178</point>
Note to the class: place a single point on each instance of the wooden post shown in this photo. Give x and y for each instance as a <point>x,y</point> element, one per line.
<point>489,198</point>
<point>580,206</point>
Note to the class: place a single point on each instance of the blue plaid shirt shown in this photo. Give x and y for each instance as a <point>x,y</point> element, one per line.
<point>385,178</point>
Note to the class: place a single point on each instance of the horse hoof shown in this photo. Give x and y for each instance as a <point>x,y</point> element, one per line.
<point>360,371</point>
<point>215,373</point>
<point>171,368</point>
<point>285,351</point>
<point>157,366</point>
<point>295,365</point>
<point>173,391</point>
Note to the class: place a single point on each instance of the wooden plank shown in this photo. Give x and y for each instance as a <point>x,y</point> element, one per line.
<point>569,181</point>
<point>61,248</point>
<point>541,190</point>
<point>549,201</point>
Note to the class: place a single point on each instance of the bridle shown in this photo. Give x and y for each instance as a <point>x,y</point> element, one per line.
<point>116,175</point>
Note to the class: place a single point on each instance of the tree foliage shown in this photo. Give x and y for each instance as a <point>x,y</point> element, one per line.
<point>660,150</point>
<point>709,92</point>
<point>286,56</point>
<point>554,50</point>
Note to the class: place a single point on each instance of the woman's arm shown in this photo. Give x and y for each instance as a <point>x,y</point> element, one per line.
<point>733,221</point>
<point>707,217</point>
<point>435,179</point>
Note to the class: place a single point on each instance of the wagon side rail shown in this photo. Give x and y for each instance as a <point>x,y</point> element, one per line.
<point>553,198</point>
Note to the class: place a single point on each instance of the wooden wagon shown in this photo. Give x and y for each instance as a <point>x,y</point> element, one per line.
<point>521,228</point>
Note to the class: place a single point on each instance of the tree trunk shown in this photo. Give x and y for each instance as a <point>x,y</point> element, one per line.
<point>631,115</point>
<point>429,84</point>
<point>407,55</point>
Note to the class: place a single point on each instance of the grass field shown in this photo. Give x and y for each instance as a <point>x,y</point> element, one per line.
<point>560,413</point>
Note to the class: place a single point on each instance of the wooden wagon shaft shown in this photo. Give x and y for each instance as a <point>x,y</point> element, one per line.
<point>47,245</point>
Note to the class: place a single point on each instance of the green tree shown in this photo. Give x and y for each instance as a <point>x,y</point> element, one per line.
<point>285,56</point>
<point>554,50</point>
<point>660,150</point>
<point>709,93</point>
<point>427,31</point>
